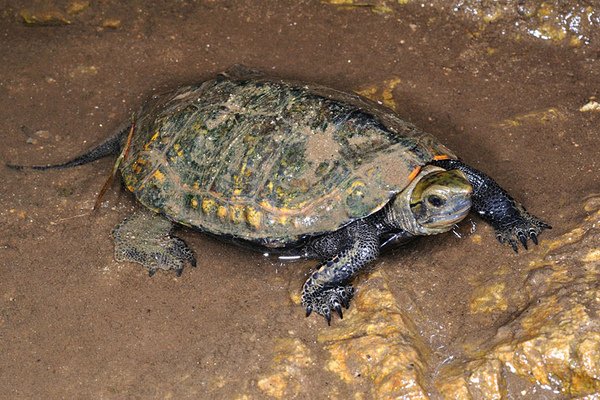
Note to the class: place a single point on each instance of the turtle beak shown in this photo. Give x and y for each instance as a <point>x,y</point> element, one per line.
<point>455,212</point>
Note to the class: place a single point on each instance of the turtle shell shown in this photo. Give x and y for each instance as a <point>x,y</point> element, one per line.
<point>270,161</point>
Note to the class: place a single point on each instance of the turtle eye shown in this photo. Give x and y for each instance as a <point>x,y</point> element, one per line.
<point>436,201</point>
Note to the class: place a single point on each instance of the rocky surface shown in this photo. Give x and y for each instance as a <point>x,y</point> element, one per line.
<point>573,22</point>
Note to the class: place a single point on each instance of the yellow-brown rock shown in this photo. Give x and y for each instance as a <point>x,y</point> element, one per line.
<point>554,341</point>
<point>383,94</point>
<point>43,18</point>
<point>290,360</point>
<point>377,342</point>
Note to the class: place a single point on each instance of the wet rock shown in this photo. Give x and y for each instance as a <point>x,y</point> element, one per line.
<point>83,70</point>
<point>534,117</point>
<point>376,6</point>
<point>382,94</point>
<point>592,105</point>
<point>111,23</point>
<point>43,18</point>
<point>42,134</point>
<point>77,6</point>
<point>554,342</point>
<point>489,298</point>
<point>291,359</point>
<point>378,345</point>
<point>574,22</point>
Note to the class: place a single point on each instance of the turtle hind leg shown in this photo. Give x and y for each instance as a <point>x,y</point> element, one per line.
<point>328,289</point>
<point>145,238</point>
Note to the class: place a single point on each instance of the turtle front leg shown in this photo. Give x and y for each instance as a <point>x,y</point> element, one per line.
<point>508,217</point>
<point>145,238</point>
<point>350,249</point>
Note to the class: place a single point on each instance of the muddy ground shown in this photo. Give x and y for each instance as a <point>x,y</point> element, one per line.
<point>76,324</point>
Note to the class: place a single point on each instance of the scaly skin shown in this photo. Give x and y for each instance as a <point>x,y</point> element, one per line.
<point>328,288</point>
<point>145,238</point>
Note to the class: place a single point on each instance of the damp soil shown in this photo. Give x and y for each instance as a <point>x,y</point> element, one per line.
<point>74,323</point>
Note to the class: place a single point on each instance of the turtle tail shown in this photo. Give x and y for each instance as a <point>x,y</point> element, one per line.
<point>111,146</point>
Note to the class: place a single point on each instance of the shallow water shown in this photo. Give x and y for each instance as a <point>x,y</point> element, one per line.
<point>74,323</point>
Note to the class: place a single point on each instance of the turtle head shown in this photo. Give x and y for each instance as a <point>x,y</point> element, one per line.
<point>439,200</point>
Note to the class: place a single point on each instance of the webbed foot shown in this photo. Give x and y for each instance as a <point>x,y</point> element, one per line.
<point>145,238</point>
<point>323,302</point>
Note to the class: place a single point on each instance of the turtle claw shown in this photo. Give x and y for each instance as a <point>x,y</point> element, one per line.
<point>338,309</point>
<point>534,238</point>
<point>308,311</point>
<point>324,301</point>
<point>346,302</point>
<point>520,229</point>
<point>523,239</point>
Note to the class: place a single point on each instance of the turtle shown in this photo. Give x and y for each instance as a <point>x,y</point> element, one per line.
<point>292,169</point>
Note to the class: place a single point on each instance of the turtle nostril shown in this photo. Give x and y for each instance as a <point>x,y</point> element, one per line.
<point>436,201</point>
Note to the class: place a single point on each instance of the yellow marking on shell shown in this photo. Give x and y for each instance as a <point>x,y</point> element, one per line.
<point>304,207</point>
<point>136,168</point>
<point>270,186</point>
<point>130,188</point>
<point>159,176</point>
<point>283,219</point>
<point>152,139</point>
<point>280,191</point>
<point>301,204</point>
<point>138,165</point>
<point>237,214</point>
<point>194,203</point>
<point>355,187</point>
<point>237,184</point>
<point>178,150</point>
<point>237,192</point>
<point>196,185</point>
<point>198,126</point>
<point>265,204</point>
<point>247,171</point>
<point>253,217</point>
<point>208,205</point>
<point>222,212</point>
